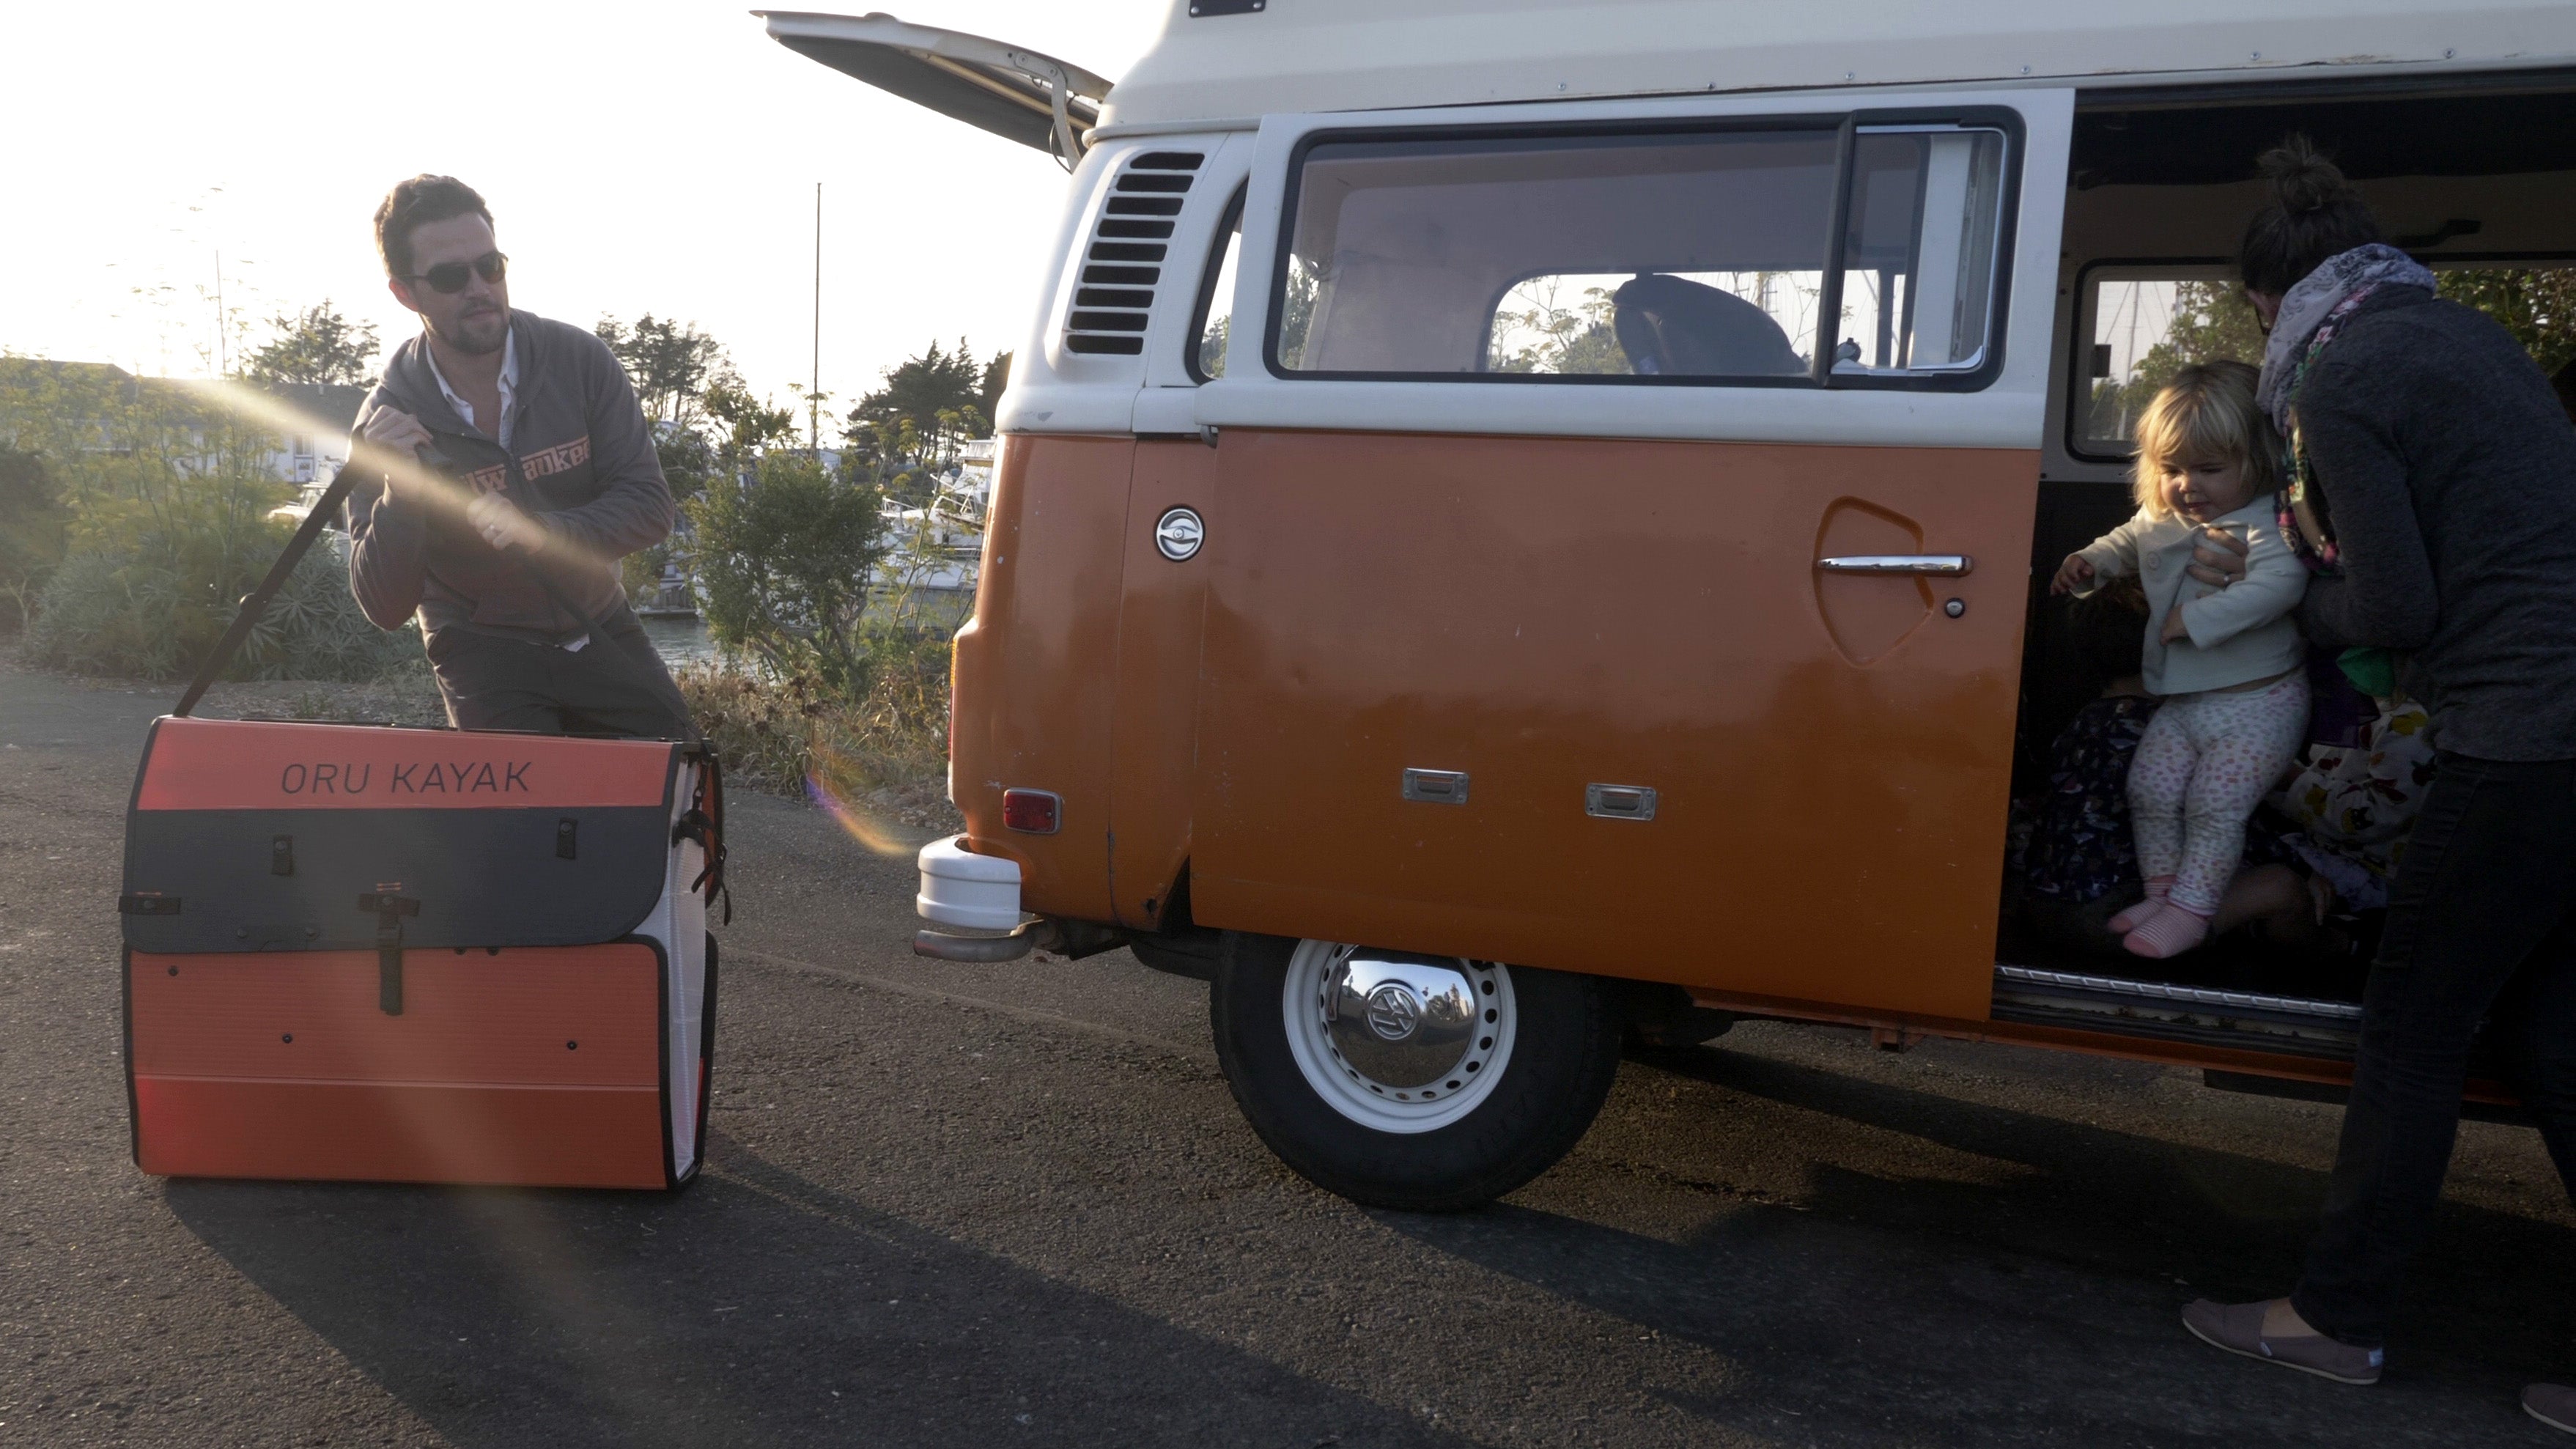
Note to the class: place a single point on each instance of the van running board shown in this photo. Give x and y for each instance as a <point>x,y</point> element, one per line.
<point>2244,1020</point>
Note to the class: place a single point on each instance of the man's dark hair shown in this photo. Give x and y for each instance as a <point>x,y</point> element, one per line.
<point>2315,214</point>
<point>411,203</point>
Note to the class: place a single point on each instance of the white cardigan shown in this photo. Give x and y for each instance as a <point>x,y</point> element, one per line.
<point>2239,634</point>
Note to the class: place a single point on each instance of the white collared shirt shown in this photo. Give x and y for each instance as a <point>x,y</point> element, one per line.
<point>509,385</point>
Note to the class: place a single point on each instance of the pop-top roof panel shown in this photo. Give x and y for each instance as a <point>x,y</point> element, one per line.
<point>1231,62</point>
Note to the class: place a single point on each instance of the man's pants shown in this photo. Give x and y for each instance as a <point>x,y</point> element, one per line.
<point>614,685</point>
<point>2479,924</point>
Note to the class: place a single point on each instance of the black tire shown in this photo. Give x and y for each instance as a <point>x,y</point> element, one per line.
<point>1561,1067</point>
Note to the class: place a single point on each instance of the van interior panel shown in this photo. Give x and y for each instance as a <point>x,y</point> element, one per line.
<point>2157,197</point>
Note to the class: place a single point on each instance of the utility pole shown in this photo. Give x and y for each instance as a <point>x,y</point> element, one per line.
<point>223,360</point>
<point>814,398</point>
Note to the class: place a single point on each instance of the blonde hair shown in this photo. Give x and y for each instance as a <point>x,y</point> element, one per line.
<point>2206,412</point>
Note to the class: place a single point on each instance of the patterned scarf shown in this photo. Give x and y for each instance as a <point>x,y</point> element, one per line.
<point>2327,291</point>
<point>2312,313</point>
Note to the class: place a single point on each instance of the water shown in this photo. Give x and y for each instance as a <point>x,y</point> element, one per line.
<point>680,641</point>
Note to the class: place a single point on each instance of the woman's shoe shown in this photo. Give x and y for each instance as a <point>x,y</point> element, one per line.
<point>2238,1328</point>
<point>2551,1404</point>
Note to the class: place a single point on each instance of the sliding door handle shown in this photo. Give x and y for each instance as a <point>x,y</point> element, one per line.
<point>1942,565</point>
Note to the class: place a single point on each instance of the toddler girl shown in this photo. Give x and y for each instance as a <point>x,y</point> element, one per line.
<point>2228,660</point>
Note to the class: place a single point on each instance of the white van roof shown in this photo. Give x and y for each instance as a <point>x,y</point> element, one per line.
<point>1221,60</point>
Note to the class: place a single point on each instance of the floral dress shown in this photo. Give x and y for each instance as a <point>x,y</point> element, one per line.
<point>2355,806</point>
<point>2080,848</point>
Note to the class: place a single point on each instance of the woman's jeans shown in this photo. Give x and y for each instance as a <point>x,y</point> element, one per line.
<point>2479,925</point>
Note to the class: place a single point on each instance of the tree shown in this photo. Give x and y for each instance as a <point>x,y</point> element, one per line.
<point>2211,321</point>
<point>920,388</point>
<point>785,562</point>
<point>2536,304</point>
<point>997,376</point>
<point>672,365</point>
<point>316,345</point>
<point>1547,336</point>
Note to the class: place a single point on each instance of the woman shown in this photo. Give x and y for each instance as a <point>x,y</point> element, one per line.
<point>2435,454</point>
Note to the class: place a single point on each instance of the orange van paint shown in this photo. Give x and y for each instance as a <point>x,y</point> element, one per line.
<point>1156,737</point>
<point>1035,669</point>
<point>1550,613</point>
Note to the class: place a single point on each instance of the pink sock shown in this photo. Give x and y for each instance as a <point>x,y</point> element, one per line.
<point>2158,887</point>
<point>2171,931</point>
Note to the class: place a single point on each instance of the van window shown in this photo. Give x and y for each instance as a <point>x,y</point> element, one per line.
<point>1688,256</point>
<point>1215,314</point>
<point>2148,321</point>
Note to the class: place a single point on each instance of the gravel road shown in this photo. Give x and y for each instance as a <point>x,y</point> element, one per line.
<point>1013,1205</point>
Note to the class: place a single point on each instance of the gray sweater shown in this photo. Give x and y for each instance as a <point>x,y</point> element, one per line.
<point>2449,469</point>
<point>586,470</point>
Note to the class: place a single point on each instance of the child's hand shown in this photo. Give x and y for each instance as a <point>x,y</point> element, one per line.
<point>2073,574</point>
<point>2174,628</point>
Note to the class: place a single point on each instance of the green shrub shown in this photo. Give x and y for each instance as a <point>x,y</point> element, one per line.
<point>153,612</point>
<point>784,561</point>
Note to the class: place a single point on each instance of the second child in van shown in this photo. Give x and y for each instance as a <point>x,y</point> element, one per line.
<point>2229,661</point>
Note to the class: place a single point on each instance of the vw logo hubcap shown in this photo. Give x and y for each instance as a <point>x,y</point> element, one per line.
<point>1392,1012</point>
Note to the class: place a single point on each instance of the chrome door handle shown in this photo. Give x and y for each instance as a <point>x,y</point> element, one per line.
<point>1944,565</point>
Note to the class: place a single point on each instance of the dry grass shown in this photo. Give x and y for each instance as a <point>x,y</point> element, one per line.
<point>886,754</point>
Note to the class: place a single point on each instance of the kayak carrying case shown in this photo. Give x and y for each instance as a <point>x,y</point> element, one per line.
<point>366,953</point>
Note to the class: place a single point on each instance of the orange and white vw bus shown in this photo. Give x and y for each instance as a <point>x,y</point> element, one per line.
<point>1519,518</point>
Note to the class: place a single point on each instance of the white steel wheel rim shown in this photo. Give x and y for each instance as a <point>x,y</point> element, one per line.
<point>1395,1107</point>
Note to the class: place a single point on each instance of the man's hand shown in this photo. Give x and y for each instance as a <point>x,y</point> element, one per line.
<point>396,432</point>
<point>2073,574</point>
<point>502,524</point>
<point>401,437</point>
<point>2218,558</point>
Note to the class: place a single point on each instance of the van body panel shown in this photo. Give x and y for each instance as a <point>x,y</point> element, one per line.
<point>1159,631</point>
<point>1547,614</point>
<point>1035,669</point>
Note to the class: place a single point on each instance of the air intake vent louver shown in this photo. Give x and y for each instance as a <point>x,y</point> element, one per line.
<point>1126,254</point>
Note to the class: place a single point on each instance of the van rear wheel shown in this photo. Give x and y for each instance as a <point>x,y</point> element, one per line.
<point>1426,1083</point>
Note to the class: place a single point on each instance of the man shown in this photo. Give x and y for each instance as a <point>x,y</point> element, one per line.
<point>536,475</point>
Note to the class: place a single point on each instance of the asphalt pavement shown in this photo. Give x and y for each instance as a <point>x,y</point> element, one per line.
<point>1006,1205</point>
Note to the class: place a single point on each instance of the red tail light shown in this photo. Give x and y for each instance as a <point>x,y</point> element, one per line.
<point>1037,812</point>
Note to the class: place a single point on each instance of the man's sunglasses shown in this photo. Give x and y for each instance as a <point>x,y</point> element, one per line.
<point>448,278</point>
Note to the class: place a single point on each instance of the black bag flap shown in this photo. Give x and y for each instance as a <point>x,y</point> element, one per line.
<point>258,836</point>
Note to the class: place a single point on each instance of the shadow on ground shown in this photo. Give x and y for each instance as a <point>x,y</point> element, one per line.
<point>528,1317</point>
<point>2075,1270</point>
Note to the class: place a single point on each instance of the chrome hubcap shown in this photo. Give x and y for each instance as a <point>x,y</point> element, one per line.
<point>1397,1041</point>
<point>1401,1021</point>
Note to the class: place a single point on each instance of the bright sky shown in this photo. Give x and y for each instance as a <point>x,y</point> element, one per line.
<point>652,156</point>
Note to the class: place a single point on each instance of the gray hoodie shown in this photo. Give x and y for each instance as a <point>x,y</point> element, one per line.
<point>585,469</point>
<point>2450,471</point>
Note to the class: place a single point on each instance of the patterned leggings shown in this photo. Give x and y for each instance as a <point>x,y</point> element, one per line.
<point>2204,763</point>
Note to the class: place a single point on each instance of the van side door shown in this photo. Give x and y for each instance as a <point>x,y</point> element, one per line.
<point>1617,547</point>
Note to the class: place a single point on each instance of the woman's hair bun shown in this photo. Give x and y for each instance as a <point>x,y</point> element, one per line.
<point>2303,180</point>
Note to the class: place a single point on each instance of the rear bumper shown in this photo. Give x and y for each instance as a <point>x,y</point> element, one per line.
<point>967,891</point>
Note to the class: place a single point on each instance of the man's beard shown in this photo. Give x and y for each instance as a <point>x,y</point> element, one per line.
<point>479,335</point>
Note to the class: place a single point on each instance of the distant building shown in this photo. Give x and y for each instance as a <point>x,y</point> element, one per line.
<point>310,430</point>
